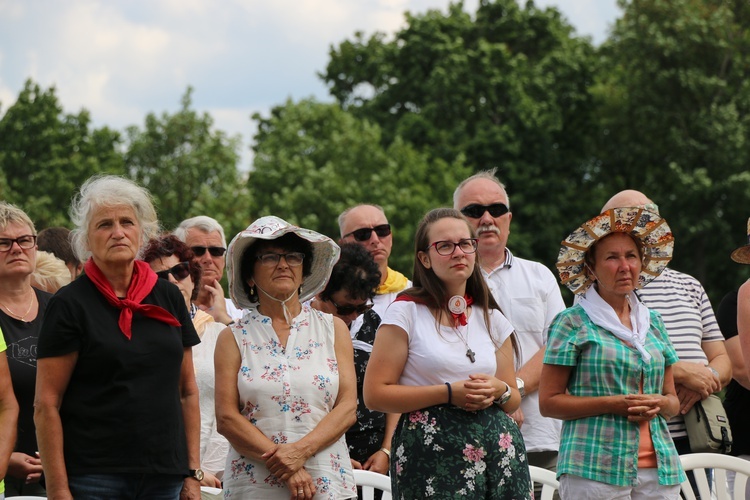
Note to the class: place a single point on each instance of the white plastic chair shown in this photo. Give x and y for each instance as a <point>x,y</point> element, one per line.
<point>721,464</point>
<point>370,481</point>
<point>547,479</point>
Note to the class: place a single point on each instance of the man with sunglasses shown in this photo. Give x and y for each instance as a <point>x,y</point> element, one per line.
<point>529,296</point>
<point>368,226</point>
<point>206,239</point>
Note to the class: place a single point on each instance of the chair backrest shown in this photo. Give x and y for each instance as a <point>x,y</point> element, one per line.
<point>702,463</point>
<point>370,481</point>
<point>547,479</point>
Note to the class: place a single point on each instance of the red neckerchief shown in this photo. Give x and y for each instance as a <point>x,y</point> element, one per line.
<point>141,284</point>
<point>461,319</point>
<point>457,318</point>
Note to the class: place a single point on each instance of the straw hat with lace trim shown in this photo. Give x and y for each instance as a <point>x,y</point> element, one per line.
<point>649,228</point>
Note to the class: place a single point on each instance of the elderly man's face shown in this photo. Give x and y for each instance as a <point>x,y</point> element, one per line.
<point>491,231</point>
<point>368,217</point>
<point>205,243</point>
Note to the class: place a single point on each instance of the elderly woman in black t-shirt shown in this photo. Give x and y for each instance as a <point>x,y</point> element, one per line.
<point>116,399</point>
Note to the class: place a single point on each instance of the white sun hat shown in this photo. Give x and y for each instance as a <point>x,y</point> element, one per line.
<point>325,255</point>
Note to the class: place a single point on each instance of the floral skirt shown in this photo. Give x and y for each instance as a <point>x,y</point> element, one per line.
<point>447,452</point>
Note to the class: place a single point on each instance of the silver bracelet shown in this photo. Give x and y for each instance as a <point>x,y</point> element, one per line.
<point>387,452</point>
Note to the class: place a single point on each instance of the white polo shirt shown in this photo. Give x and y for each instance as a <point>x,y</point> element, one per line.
<point>529,297</point>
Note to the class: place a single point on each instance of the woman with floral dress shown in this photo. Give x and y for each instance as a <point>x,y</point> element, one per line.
<point>285,383</point>
<point>444,358</point>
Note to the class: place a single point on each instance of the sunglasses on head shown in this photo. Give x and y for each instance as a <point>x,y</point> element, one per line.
<point>476,211</point>
<point>214,251</point>
<point>348,309</point>
<point>365,233</point>
<point>179,271</point>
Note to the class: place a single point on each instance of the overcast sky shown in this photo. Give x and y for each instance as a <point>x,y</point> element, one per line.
<point>122,59</point>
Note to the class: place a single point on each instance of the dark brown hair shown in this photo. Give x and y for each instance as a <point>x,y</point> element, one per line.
<point>168,245</point>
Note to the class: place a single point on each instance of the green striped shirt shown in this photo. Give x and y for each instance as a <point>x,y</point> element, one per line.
<point>605,447</point>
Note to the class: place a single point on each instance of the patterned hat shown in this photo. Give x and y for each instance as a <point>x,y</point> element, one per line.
<point>742,254</point>
<point>325,255</point>
<point>648,227</point>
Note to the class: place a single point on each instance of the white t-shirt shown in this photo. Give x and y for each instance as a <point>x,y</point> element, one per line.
<point>436,352</point>
<point>529,296</point>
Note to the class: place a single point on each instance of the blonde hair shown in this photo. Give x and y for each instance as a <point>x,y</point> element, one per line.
<point>51,273</point>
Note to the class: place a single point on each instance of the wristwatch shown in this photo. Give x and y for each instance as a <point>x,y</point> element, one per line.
<point>504,397</point>
<point>521,387</point>
<point>196,474</point>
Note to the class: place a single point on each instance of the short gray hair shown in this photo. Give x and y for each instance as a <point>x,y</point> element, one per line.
<point>203,223</point>
<point>109,191</point>
<point>11,214</point>
<point>345,213</point>
<point>490,175</point>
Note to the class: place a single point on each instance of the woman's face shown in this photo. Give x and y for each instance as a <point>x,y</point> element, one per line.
<point>186,285</point>
<point>114,235</point>
<point>617,265</point>
<point>17,262</point>
<point>456,267</point>
<point>279,280</point>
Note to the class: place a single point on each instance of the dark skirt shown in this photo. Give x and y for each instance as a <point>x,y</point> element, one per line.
<point>447,452</point>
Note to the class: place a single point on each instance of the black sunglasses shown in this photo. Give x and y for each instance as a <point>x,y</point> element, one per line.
<point>348,309</point>
<point>476,211</point>
<point>179,271</point>
<point>365,233</point>
<point>214,251</point>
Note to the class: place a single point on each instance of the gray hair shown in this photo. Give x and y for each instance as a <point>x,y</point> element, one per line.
<point>490,175</point>
<point>345,213</point>
<point>109,191</point>
<point>11,214</point>
<point>203,223</point>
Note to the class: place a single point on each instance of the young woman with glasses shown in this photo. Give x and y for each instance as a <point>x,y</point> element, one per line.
<point>173,261</point>
<point>444,358</point>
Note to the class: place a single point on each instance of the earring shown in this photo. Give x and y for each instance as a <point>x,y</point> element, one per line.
<point>253,295</point>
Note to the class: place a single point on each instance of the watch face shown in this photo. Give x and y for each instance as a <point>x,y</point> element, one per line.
<point>198,474</point>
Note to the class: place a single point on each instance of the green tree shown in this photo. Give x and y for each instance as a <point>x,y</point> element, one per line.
<point>506,87</point>
<point>673,100</point>
<point>188,167</point>
<point>45,154</point>
<point>313,160</point>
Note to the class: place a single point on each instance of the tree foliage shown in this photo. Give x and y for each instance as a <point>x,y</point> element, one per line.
<point>188,167</point>
<point>313,160</point>
<point>673,100</point>
<point>46,154</point>
<point>506,87</point>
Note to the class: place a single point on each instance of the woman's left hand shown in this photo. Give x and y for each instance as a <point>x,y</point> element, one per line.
<point>301,485</point>
<point>191,489</point>
<point>378,462</point>
<point>284,460</point>
<point>643,407</point>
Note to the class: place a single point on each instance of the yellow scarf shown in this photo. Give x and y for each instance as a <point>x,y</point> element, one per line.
<point>394,282</point>
<point>200,321</point>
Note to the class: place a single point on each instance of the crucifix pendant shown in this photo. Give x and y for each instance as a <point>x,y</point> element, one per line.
<point>470,354</point>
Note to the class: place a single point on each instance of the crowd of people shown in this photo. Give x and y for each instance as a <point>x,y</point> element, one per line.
<point>129,373</point>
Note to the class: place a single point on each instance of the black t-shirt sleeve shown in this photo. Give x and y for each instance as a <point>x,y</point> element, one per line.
<point>726,315</point>
<point>60,333</point>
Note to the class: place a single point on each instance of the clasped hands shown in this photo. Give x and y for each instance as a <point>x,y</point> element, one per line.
<point>477,392</point>
<point>286,462</point>
<point>642,407</point>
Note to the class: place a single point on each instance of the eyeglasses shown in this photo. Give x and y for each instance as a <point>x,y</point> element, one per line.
<point>214,251</point>
<point>468,245</point>
<point>475,210</point>
<point>179,271</point>
<point>26,242</point>
<point>293,259</point>
<point>365,233</point>
<point>347,309</point>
